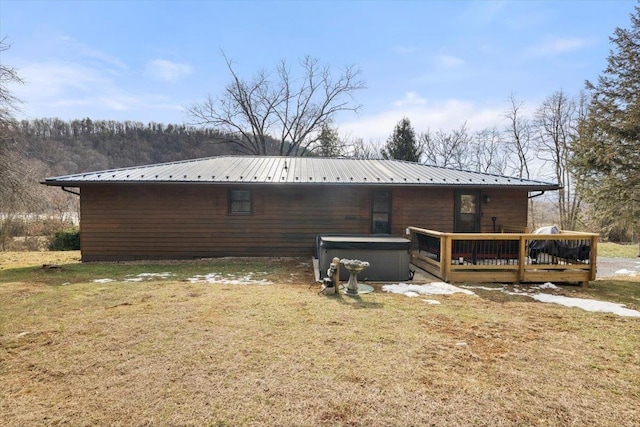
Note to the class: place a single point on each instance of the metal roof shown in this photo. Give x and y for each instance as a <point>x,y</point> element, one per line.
<point>296,170</point>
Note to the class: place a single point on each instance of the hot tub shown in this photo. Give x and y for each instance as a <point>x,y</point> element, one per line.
<point>388,256</point>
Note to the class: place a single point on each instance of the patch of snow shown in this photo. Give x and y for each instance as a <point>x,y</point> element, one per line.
<point>547,285</point>
<point>583,303</point>
<point>431,301</point>
<point>436,288</point>
<point>587,304</point>
<point>103,281</point>
<point>626,272</point>
<point>149,276</point>
<point>217,278</point>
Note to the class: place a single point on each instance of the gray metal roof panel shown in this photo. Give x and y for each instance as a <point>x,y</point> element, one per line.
<point>296,170</point>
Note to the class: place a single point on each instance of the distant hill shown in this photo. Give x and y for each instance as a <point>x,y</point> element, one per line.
<point>67,147</point>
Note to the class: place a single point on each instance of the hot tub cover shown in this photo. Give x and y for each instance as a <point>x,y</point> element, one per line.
<point>363,242</point>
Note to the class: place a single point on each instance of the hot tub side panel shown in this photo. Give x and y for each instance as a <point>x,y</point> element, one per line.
<point>388,257</point>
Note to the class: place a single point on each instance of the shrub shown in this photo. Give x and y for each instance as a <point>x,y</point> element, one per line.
<point>66,240</point>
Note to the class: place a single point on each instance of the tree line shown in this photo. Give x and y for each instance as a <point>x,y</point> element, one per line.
<point>543,142</point>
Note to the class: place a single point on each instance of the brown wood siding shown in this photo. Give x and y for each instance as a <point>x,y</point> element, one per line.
<point>509,206</point>
<point>120,222</point>
<point>430,208</point>
<point>433,209</point>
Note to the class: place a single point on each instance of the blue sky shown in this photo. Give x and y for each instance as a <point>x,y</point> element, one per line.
<point>438,63</point>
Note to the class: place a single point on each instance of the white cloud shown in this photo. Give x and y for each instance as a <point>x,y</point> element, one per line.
<point>46,80</point>
<point>425,115</point>
<point>81,50</point>
<point>167,71</point>
<point>75,90</point>
<point>557,45</point>
<point>410,98</point>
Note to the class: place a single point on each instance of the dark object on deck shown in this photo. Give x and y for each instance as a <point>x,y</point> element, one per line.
<point>558,249</point>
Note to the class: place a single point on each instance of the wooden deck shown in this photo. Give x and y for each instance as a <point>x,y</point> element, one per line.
<point>568,257</point>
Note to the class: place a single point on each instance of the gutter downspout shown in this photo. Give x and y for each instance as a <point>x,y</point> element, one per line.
<point>66,190</point>
<point>529,197</point>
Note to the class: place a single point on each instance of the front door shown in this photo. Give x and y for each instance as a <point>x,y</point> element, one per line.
<point>381,212</point>
<point>467,211</point>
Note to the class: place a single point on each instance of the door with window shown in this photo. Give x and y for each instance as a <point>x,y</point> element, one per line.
<point>381,212</point>
<point>467,211</point>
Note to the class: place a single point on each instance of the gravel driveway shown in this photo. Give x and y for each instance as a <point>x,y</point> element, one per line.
<point>611,267</point>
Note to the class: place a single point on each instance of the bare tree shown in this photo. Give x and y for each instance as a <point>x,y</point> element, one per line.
<point>556,122</point>
<point>447,149</point>
<point>8,75</point>
<point>489,152</point>
<point>518,139</point>
<point>518,136</point>
<point>291,110</point>
<point>358,149</point>
<point>12,171</point>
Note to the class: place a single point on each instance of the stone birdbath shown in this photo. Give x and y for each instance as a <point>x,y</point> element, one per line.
<point>354,266</point>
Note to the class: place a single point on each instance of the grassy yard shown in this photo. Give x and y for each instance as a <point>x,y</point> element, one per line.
<point>608,249</point>
<point>169,351</point>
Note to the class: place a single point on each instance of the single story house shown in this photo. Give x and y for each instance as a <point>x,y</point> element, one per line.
<point>276,206</point>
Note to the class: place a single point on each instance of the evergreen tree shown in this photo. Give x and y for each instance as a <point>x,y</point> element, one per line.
<point>402,144</point>
<point>606,155</point>
<point>329,144</point>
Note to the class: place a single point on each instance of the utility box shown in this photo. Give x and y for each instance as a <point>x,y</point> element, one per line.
<point>388,256</point>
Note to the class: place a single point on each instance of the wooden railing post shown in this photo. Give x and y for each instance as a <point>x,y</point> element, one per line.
<point>522,257</point>
<point>445,256</point>
<point>593,258</point>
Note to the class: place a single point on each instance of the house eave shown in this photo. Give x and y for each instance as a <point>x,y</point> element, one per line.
<point>78,184</point>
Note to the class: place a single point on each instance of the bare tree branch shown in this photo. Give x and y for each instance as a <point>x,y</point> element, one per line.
<point>291,110</point>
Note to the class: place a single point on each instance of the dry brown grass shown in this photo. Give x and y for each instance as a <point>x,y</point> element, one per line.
<point>23,259</point>
<point>177,353</point>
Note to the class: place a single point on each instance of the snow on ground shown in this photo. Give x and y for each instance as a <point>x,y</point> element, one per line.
<point>587,304</point>
<point>216,278</point>
<point>436,288</point>
<point>440,288</point>
<point>612,267</point>
<point>138,278</point>
<point>103,281</point>
<point>583,303</point>
<point>230,279</point>
<point>148,276</point>
<point>625,272</point>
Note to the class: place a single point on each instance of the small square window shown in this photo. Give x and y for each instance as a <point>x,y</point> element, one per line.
<point>240,202</point>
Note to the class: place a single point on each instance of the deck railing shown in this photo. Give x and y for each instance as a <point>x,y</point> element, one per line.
<point>505,257</point>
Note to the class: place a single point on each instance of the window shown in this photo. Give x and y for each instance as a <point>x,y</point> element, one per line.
<point>240,202</point>
<point>467,211</point>
<point>380,212</point>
